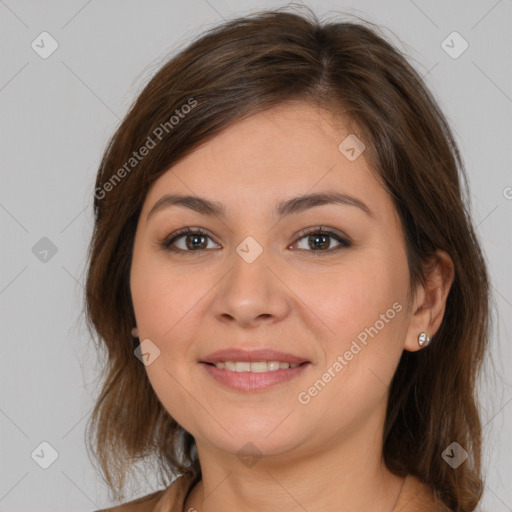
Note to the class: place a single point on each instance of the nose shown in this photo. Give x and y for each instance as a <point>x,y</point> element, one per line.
<point>251,293</point>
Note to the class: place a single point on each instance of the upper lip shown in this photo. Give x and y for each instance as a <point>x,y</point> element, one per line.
<point>261,354</point>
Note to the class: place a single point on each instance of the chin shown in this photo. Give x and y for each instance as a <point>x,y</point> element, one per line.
<point>257,440</point>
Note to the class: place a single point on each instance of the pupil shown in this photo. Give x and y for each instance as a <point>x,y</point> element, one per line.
<point>195,238</point>
<point>319,241</point>
<point>322,245</point>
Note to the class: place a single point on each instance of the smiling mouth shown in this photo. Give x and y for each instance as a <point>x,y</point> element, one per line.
<point>254,367</point>
<point>253,376</point>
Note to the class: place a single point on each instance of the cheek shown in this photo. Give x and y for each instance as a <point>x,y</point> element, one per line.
<point>162,297</point>
<point>363,306</point>
<point>351,297</point>
<point>164,303</point>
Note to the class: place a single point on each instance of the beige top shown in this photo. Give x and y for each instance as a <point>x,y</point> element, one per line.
<point>415,497</point>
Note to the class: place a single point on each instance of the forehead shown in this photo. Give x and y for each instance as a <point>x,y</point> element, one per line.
<point>288,150</point>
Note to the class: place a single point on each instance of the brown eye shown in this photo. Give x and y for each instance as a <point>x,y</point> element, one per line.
<point>319,241</point>
<point>187,240</point>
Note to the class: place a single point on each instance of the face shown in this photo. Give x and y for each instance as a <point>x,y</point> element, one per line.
<point>262,275</point>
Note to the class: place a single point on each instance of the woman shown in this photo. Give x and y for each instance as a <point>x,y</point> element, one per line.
<point>286,279</point>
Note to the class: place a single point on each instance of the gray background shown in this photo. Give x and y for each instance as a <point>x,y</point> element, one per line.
<point>56,116</point>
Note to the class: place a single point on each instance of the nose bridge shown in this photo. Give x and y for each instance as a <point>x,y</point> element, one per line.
<point>251,289</point>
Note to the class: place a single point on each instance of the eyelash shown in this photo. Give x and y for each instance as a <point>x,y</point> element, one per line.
<point>344,243</point>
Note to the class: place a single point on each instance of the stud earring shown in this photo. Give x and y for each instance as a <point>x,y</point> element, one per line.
<point>423,339</point>
<point>135,332</point>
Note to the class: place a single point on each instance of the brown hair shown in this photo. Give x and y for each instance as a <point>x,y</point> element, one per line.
<point>237,69</point>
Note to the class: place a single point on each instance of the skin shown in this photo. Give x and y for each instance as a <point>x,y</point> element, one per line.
<point>325,455</point>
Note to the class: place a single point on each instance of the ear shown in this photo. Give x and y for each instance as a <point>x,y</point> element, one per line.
<point>430,300</point>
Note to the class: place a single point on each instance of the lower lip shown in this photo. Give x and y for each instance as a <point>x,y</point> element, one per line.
<point>253,381</point>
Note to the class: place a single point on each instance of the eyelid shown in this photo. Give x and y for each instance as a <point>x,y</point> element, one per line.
<point>323,230</point>
<point>340,237</point>
<point>168,240</point>
<point>343,240</point>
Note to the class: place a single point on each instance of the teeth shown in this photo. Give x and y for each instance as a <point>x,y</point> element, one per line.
<point>242,367</point>
<point>256,367</point>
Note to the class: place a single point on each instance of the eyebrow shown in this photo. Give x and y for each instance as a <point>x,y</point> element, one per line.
<point>288,207</point>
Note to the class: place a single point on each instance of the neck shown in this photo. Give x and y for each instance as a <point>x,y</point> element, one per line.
<point>346,475</point>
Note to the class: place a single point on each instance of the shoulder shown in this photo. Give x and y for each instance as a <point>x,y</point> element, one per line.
<point>170,499</point>
<point>144,504</point>
<point>417,496</point>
